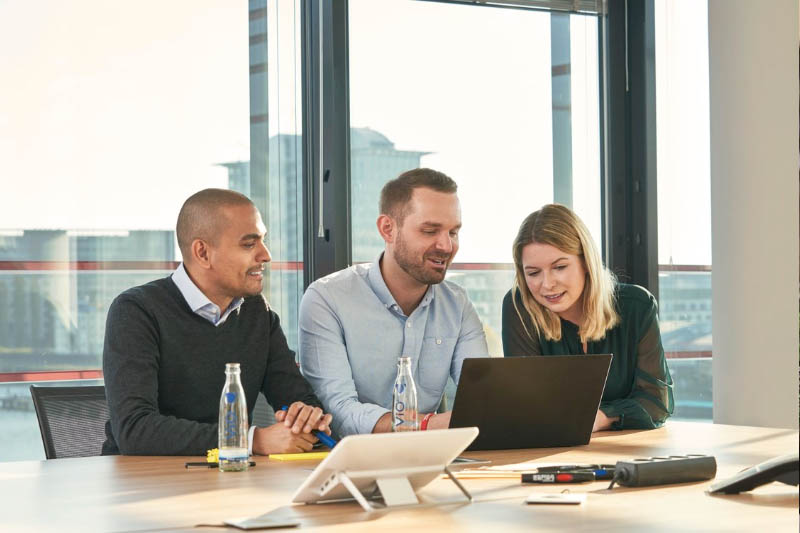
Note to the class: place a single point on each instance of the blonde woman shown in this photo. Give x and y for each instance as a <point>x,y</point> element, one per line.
<point>567,303</point>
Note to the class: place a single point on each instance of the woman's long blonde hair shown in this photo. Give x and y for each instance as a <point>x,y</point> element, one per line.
<point>558,226</point>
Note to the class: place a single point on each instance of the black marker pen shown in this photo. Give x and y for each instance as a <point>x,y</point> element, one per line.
<point>558,477</point>
<point>204,464</point>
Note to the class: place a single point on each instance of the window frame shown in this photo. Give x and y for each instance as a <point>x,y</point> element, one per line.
<point>627,123</point>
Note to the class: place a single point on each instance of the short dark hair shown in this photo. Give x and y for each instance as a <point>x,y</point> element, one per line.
<point>396,194</point>
<point>199,217</point>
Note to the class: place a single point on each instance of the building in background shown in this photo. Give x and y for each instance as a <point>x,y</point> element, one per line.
<point>53,305</point>
<point>685,309</point>
<point>374,161</point>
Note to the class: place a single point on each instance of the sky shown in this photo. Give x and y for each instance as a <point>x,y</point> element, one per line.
<point>112,113</point>
<point>478,96</point>
<point>682,132</point>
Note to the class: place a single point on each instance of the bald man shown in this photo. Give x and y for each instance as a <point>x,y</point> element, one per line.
<point>167,343</point>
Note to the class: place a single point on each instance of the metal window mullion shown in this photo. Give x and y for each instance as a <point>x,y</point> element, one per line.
<point>629,149</point>
<point>582,7</point>
<point>326,139</point>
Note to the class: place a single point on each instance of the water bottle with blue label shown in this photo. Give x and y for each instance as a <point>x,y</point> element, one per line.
<point>233,426</point>
<point>404,404</point>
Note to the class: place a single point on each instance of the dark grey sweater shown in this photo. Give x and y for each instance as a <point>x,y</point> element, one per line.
<point>164,369</point>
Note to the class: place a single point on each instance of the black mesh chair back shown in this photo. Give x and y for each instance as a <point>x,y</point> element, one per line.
<point>72,420</point>
<point>263,415</point>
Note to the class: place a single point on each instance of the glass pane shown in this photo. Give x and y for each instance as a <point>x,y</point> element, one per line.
<point>504,101</point>
<point>115,114</point>
<point>684,203</point>
<point>284,198</point>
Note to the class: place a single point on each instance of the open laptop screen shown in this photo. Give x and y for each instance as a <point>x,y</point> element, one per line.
<point>530,402</point>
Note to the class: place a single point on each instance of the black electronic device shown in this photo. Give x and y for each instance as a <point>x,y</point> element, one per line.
<point>664,470</point>
<point>783,469</point>
<point>530,402</point>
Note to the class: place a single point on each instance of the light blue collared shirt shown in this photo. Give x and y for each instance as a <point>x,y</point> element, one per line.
<point>199,302</point>
<point>352,331</point>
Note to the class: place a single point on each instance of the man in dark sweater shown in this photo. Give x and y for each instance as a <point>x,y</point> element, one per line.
<point>167,343</point>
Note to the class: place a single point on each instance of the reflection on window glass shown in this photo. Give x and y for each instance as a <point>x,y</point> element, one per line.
<point>113,115</point>
<point>684,208</point>
<point>504,101</point>
<point>283,168</point>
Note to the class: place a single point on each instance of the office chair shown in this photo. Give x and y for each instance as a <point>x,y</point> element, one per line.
<point>71,419</point>
<point>263,414</point>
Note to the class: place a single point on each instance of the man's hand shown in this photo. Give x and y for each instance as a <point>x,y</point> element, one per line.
<point>278,438</point>
<point>602,422</point>
<point>302,418</point>
<point>384,423</point>
<point>439,421</point>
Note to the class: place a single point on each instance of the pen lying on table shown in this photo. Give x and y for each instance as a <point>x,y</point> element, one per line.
<point>205,464</point>
<point>558,477</point>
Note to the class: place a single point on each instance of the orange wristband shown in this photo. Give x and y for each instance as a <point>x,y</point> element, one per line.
<point>425,419</point>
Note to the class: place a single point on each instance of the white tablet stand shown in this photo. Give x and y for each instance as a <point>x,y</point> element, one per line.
<point>393,485</point>
<point>393,466</point>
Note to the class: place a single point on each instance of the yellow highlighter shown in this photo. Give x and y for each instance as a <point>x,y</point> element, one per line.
<point>298,456</point>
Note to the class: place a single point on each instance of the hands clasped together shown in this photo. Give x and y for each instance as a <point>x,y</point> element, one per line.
<point>293,432</point>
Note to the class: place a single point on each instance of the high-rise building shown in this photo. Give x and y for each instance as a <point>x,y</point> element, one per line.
<point>53,316</point>
<point>374,161</point>
<point>238,176</point>
<point>684,310</point>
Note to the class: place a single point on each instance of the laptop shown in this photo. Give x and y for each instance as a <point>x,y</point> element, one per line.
<point>530,402</point>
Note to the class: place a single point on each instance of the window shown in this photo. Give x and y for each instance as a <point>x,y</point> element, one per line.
<point>105,130</point>
<point>506,102</point>
<point>684,203</point>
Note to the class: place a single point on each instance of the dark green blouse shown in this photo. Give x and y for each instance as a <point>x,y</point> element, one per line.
<point>639,387</point>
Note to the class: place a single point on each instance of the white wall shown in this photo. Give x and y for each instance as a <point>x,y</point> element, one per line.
<point>753,93</point>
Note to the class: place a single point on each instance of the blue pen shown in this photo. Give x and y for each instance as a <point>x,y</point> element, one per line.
<point>326,439</point>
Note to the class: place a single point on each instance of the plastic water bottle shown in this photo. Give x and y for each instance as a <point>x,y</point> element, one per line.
<point>404,404</point>
<point>233,427</point>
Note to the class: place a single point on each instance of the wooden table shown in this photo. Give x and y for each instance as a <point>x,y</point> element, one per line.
<point>159,494</point>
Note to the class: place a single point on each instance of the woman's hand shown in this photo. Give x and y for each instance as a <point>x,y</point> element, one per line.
<point>602,422</point>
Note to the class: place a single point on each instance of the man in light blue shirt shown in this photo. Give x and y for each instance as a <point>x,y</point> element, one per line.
<point>355,323</point>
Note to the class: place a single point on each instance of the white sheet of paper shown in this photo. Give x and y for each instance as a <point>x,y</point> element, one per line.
<point>557,498</point>
<point>260,522</point>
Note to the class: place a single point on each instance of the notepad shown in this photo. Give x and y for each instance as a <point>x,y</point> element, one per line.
<point>260,522</point>
<point>559,499</point>
<point>298,456</point>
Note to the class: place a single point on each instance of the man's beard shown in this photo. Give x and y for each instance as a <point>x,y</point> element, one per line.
<point>416,269</point>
